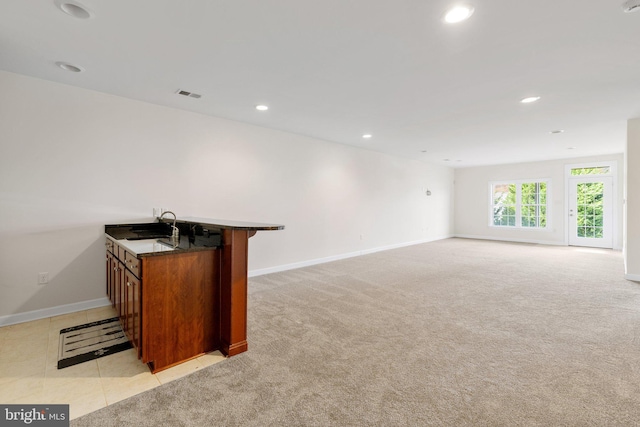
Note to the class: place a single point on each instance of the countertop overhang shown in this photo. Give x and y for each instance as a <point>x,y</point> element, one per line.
<point>149,239</point>
<point>224,224</point>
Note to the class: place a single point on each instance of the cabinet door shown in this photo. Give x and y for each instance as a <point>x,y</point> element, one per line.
<point>132,324</point>
<point>109,277</point>
<point>113,274</point>
<point>180,307</point>
<point>110,273</point>
<point>120,295</point>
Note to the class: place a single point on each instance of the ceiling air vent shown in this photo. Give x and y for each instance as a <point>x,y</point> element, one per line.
<point>189,94</point>
<point>631,6</point>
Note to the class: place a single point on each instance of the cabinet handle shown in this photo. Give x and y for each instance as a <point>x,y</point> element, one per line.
<point>128,283</point>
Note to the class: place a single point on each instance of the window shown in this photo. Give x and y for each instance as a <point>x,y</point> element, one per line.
<point>521,204</point>
<point>504,205</point>
<point>534,204</point>
<point>596,170</point>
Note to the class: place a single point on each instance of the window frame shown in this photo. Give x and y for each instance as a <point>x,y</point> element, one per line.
<point>518,205</point>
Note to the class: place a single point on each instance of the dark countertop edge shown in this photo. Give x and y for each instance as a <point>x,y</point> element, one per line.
<point>224,224</point>
<point>214,224</point>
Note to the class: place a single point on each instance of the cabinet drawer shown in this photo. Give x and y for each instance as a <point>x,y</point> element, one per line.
<point>121,252</point>
<point>109,245</point>
<point>132,263</point>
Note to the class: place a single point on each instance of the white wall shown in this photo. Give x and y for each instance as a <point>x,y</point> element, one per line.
<point>472,200</point>
<point>632,178</point>
<point>72,160</point>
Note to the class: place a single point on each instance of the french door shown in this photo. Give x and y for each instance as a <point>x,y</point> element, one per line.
<point>591,211</point>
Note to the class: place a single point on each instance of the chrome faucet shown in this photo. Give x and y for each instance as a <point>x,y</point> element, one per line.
<point>175,233</point>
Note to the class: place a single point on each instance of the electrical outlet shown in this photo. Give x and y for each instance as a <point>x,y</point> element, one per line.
<point>157,212</point>
<point>43,278</point>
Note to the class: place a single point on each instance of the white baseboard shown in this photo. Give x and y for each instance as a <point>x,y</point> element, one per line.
<point>102,302</point>
<point>504,239</point>
<point>402,245</point>
<point>308,263</point>
<point>28,316</point>
<point>537,242</point>
<point>633,277</point>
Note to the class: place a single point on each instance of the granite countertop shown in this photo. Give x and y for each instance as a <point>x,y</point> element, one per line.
<point>145,247</point>
<point>148,239</point>
<point>225,224</point>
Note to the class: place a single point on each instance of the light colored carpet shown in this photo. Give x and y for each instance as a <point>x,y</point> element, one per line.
<point>450,333</point>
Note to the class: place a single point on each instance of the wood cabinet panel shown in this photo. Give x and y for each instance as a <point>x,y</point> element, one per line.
<point>233,292</point>
<point>119,292</point>
<point>180,307</point>
<point>177,305</point>
<point>132,263</point>
<point>131,294</point>
<point>109,276</point>
<point>109,269</point>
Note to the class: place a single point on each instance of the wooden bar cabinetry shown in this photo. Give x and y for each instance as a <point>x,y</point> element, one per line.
<point>177,303</point>
<point>167,304</point>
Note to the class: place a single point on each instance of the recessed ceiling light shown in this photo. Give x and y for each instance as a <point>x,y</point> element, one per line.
<point>447,160</point>
<point>74,9</point>
<point>423,151</point>
<point>367,136</point>
<point>557,131</point>
<point>529,99</point>
<point>69,67</point>
<point>458,14</point>
<point>262,107</point>
<point>571,148</point>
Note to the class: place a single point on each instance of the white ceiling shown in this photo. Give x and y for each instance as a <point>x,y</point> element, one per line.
<point>336,69</point>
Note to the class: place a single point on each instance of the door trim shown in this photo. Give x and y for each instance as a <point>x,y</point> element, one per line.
<point>613,173</point>
<point>606,240</point>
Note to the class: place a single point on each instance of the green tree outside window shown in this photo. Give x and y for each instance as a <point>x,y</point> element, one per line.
<point>520,204</point>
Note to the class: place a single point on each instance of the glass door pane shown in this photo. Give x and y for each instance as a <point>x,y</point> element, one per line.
<point>591,211</point>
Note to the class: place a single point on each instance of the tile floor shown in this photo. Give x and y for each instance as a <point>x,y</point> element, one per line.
<point>29,373</point>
